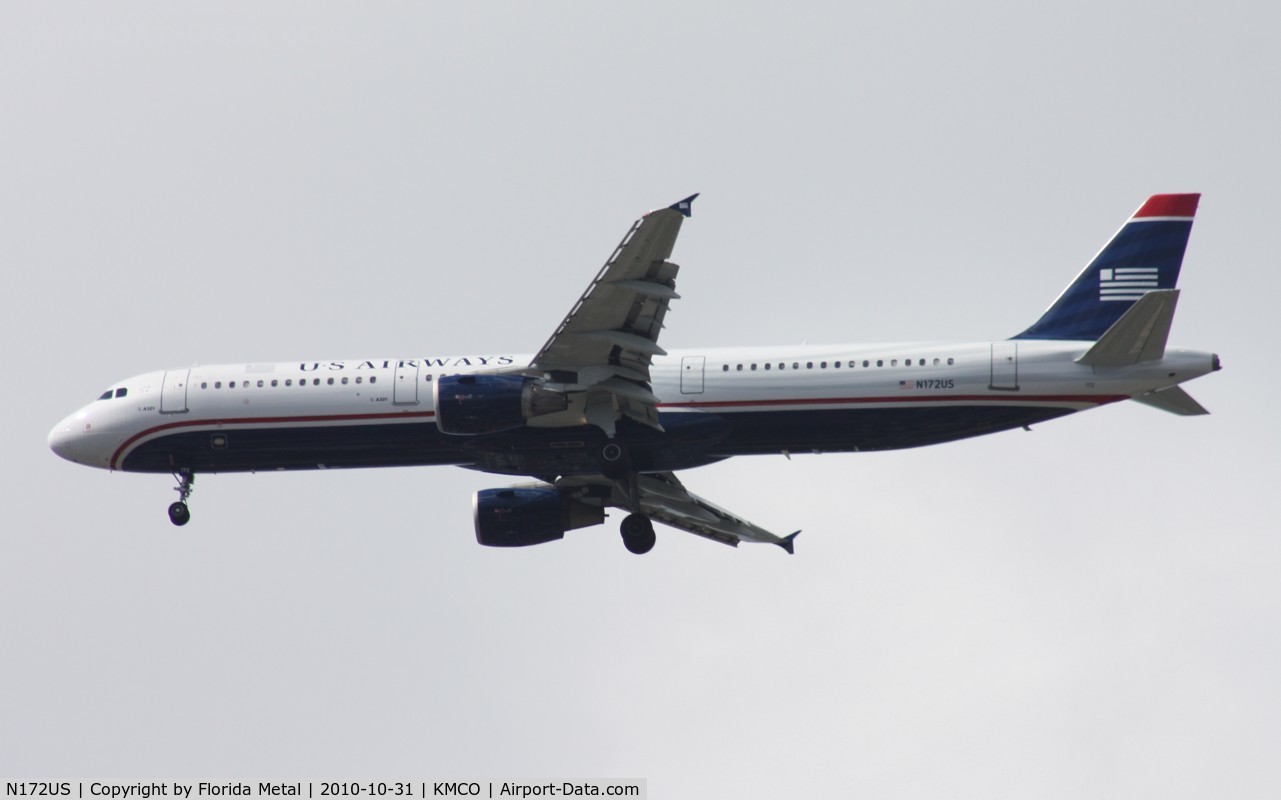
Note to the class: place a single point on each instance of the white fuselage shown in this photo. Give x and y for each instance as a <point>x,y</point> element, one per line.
<point>1009,382</point>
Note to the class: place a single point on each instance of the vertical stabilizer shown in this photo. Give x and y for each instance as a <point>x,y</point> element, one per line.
<point>1143,256</point>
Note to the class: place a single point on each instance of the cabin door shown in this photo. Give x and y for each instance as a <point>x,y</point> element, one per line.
<point>173,393</point>
<point>1005,366</point>
<point>692,374</point>
<point>405,389</point>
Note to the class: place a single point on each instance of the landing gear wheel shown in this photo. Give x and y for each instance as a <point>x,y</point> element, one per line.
<point>179,514</point>
<point>638,534</point>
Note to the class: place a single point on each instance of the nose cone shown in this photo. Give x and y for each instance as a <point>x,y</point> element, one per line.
<point>60,439</point>
<point>74,439</point>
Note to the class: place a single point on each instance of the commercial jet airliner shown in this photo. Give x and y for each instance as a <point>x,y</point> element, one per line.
<point>603,417</point>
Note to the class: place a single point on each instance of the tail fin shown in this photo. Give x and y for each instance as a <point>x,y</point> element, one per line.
<point>1144,255</point>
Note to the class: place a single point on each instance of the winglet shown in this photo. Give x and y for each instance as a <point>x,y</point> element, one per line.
<point>788,543</point>
<point>685,206</point>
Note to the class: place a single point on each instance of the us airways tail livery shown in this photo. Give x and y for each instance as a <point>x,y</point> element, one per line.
<point>602,417</point>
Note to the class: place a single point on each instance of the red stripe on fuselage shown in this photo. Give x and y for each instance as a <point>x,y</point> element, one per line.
<point>1092,399</point>
<point>692,404</point>
<point>196,423</point>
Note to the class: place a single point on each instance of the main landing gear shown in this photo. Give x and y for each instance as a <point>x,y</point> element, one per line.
<point>179,514</point>
<point>638,534</point>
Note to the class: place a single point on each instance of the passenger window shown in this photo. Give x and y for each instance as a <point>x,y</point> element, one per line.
<point>936,362</point>
<point>274,383</point>
<point>781,365</point>
<point>949,362</point>
<point>330,381</point>
<point>372,378</point>
<point>796,365</point>
<point>344,380</point>
<point>768,365</point>
<point>289,381</point>
<point>880,362</point>
<point>217,384</point>
<point>753,368</point>
<point>809,365</point>
<point>204,385</point>
<point>315,381</point>
<point>259,384</point>
<point>867,364</point>
<point>359,379</point>
<point>738,368</point>
<point>893,362</point>
<point>822,365</point>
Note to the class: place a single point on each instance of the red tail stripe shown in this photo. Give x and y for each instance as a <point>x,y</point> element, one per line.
<point>1169,205</point>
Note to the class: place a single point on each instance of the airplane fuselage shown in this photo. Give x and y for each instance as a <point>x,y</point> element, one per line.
<point>715,403</point>
<point>604,417</point>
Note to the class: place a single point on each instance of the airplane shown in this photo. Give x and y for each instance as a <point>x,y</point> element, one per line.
<point>602,417</point>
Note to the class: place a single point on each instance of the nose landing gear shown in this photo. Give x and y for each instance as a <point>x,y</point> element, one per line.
<point>179,514</point>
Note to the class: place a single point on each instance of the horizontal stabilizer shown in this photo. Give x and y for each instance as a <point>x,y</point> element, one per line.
<point>1173,400</point>
<point>1139,335</point>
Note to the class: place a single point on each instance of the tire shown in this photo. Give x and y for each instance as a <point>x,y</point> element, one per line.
<point>638,534</point>
<point>179,514</point>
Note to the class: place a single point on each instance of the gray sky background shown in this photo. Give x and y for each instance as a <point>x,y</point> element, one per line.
<point>1090,609</point>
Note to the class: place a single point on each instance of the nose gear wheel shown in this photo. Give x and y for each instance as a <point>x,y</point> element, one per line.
<point>179,513</point>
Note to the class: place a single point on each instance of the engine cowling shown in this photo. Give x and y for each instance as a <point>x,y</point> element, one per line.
<point>475,404</point>
<point>519,517</point>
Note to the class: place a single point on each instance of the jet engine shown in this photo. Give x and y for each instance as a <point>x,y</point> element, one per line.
<point>521,516</point>
<point>475,404</point>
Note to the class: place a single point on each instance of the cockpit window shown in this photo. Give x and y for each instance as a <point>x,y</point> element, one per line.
<point>105,395</point>
<point>121,392</point>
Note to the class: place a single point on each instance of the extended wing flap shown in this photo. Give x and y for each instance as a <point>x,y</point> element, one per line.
<point>663,498</point>
<point>619,317</point>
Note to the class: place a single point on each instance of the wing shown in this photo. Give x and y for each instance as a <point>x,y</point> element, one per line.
<point>660,496</point>
<point>607,341</point>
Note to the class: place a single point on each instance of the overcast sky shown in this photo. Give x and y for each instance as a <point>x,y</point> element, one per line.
<point>1088,610</point>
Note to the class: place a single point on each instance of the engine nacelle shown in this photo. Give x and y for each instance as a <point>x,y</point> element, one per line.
<point>474,404</point>
<point>519,517</point>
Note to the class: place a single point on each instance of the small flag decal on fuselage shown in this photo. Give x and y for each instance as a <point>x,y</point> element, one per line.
<point>1127,283</point>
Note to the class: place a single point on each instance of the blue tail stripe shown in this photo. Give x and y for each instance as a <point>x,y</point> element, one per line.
<point>1144,255</point>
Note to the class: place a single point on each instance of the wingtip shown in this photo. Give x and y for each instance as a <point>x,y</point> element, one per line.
<point>788,543</point>
<point>685,206</point>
